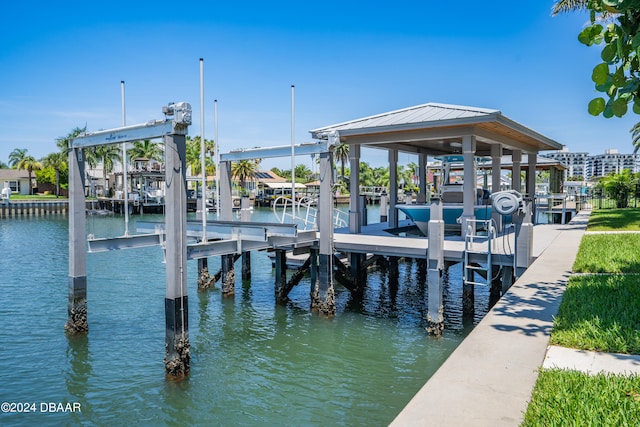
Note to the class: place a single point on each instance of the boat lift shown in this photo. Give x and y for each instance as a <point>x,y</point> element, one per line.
<point>173,130</point>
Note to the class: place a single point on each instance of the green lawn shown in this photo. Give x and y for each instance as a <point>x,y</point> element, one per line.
<point>614,219</point>
<point>608,253</point>
<point>22,197</point>
<point>571,398</point>
<point>600,313</point>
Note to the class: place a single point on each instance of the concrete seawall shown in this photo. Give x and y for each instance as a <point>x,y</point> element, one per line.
<point>33,208</point>
<point>488,379</point>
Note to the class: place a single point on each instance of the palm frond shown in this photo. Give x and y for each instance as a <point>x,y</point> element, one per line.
<point>564,6</point>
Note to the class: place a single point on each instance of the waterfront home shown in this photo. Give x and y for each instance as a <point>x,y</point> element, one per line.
<point>17,180</point>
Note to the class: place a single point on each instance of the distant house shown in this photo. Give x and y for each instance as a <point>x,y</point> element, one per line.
<point>17,180</point>
<point>271,186</point>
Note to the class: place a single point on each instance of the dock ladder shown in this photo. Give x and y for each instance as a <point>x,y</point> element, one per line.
<point>469,267</point>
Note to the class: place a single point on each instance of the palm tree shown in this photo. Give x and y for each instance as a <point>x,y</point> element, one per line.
<point>108,155</point>
<point>91,157</point>
<point>63,141</point>
<point>193,156</point>
<point>303,172</point>
<point>145,150</point>
<point>366,175</point>
<point>341,154</point>
<point>29,163</point>
<point>281,173</point>
<point>3,165</point>
<point>16,156</point>
<point>381,176</point>
<point>276,171</point>
<point>563,6</point>
<point>635,135</point>
<point>58,162</point>
<point>243,170</point>
<point>618,186</point>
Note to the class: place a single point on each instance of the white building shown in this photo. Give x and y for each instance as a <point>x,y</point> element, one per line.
<point>611,162</point>
<point>583,167</point>
<point>576,163</point>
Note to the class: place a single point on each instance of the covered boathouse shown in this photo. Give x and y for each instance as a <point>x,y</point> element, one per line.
<point>426,130</point>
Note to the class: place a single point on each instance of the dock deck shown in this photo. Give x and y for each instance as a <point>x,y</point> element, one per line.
<point>374,239</point>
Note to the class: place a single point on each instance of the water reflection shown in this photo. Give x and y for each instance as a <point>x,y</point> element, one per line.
<point>254,362</point>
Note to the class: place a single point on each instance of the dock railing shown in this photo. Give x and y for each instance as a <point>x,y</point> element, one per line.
<point>305,212</point>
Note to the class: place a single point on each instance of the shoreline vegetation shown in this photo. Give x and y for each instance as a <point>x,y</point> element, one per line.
<point>600,311</point>
<point>35,197</point>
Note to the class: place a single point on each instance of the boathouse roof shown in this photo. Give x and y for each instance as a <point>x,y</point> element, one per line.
<point>437,129</point>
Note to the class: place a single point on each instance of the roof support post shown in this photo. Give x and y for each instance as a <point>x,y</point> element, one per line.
<point>496,179</point>
<point>177,358</point>
<point>355,208</point>
<point>77,307</point>
<point>531,181</point>
<point>516,179</point>
<point>531,174</point>
<point>469,184</point>
<point>422,175</point>
<point>393,188</point>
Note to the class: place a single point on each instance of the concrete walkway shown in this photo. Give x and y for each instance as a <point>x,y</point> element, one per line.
<point>591,362</point>
<point>488,379</point>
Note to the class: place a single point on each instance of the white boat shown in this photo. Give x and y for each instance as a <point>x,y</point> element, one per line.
<point>452,201</point>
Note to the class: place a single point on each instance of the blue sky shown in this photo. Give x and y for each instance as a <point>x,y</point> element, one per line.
<point>61,67</point>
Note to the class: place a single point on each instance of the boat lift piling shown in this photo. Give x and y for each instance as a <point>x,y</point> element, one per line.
<point>173,130</point>
<point>205,279</point>
<point>245,216</point>
<point>435,267</point>
<point>323,297</point>
<point>77,307</point>
<point>226,214</point>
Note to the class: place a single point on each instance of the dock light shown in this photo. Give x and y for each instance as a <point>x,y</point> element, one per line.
<point>506,202</point>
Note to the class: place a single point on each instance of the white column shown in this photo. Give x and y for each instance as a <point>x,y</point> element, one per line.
<point>393,188</point>
<point>496,175</point>
<point>531,174</point>
<point>422,175</point>
<point>355,208</point>
<point>469,184</point>
<point>516,180</point>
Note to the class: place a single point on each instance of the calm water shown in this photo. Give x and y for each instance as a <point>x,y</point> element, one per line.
<point>253,362</point>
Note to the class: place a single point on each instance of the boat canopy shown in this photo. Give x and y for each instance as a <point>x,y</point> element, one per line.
<point>277,185</point>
